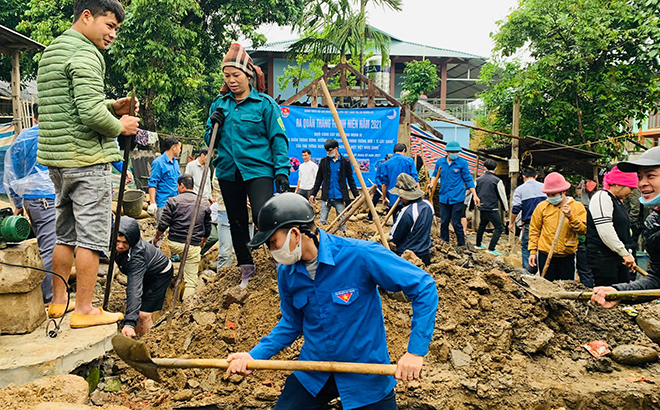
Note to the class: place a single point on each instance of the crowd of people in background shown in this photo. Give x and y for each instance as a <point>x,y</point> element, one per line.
<point>59,173</point>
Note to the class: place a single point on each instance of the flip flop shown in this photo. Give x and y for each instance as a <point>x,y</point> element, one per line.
<point>105,318</point>
<point>57,310</point>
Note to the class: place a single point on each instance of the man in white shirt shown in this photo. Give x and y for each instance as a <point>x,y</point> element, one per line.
<point>196,169</point>
<point>306,174</point>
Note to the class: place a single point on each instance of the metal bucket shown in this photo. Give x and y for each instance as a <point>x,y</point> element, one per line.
<point>133,199</point>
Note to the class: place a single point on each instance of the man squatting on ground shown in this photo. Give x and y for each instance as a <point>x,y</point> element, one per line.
<point>77,143</point>
<point>647,167</point>
<point>149,273</point>
<point>412,228</point>
<point>177,217</point>
<point>328,288</point>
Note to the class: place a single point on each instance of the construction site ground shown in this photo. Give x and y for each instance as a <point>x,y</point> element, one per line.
<point>495,346</point>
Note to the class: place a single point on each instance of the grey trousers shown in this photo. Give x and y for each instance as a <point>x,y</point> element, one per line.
<point>41,212</point>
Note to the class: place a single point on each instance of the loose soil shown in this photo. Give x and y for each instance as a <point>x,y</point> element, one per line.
<point>495,346</point>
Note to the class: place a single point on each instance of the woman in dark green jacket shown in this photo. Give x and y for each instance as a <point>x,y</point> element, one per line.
<point>252,148</point>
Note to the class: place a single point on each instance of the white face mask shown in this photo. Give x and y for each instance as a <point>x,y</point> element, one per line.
<point>284,255</point>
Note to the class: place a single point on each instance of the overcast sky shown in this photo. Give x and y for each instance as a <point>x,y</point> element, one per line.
<point>461,25</point>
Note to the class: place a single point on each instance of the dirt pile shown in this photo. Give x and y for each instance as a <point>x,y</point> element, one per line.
<point>495,345</point>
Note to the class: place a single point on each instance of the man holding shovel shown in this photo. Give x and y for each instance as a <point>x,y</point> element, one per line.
<point>328,289</point>
<point>77,143</point>
<point>647,167</point>
<point>554,229</point>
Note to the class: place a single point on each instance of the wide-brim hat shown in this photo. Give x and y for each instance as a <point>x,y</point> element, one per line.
<point>406,187</point>
<point>650,158</point>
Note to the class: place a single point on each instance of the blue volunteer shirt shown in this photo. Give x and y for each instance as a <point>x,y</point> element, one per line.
<point>341,317</point>
<point>391,170</point>
<point>454,179</point>
<point>252,139</point>
<point>24,178</point>
<point>334,190</point>
<point>164,175</point>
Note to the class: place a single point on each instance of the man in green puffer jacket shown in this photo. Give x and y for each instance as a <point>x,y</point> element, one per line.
<point>77,144</point>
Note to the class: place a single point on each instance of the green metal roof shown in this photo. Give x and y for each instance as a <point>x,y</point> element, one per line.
<point>397,48</point>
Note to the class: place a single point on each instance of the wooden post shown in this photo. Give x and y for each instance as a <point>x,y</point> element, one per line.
<point>515,154</point>
<point>315,95</point>
<point>17,110</point>
<point>443,85</point>
<point>404,126</point>
<point>477,216</point>
<point>356,166</point>
<point>596,176</point>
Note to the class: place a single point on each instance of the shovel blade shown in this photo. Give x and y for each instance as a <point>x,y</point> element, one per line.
<point>136,355</point>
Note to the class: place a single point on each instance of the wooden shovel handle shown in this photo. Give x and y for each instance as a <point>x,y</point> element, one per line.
<point>562,219</point>
<point>641,271</point>
<point>389,214</point>
<point>289,365</point>
<point>621,295</point>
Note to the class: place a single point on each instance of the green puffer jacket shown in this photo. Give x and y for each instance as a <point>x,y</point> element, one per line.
<point>77,125</point>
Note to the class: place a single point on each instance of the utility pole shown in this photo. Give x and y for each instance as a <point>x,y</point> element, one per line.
<point>514,164</point>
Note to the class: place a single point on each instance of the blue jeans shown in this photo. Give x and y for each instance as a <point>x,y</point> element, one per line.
<point>339,206</point>
<point>295,397</point>
<point>453,213</point>
<point>225,256</point>
<point>41,212</point>
<point>525,242</point>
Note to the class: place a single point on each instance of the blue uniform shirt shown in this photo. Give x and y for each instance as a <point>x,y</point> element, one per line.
<point>454,179</point>
<point>341,317</point>
<point>391,170</point>
<point>252,139</point>
<point>334,191</point>
<point>164,175</point>
<point>23,176</point>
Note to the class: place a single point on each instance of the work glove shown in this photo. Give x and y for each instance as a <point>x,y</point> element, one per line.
<point>281,183</point>
<point>218,117</point>
<point>152,209</point>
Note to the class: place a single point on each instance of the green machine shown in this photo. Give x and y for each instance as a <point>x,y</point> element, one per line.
<point>12,228</point>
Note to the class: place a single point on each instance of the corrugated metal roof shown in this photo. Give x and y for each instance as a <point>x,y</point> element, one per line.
<point>397,48</point>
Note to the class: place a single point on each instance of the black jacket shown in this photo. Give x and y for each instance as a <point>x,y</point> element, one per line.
<point>177,215</point>
<point>491,192</point>
<point>345,175</point>
<point>141,261</point>
<point>651,235</point>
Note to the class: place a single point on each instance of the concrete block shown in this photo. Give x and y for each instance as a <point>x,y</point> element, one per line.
<point>20,280</point>
<point>21,312</point>
<point>24,358</point>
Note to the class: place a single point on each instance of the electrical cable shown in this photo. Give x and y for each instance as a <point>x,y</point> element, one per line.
<point>51,321</point>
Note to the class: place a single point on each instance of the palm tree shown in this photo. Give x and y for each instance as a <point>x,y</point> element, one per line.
<point>332,28</point>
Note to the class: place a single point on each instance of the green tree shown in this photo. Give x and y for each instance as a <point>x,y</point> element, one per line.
<point>594,65</point>
<point>306,69</point>
<point>420,76</point>
<point>170,51</point>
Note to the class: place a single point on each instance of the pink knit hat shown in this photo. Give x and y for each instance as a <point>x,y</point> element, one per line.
<point>555,183</point>
<point>616,177</point>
